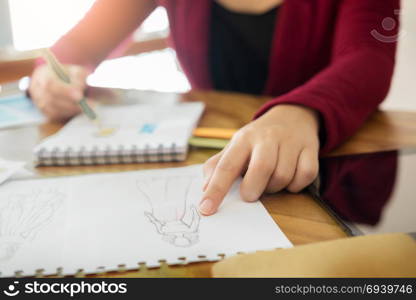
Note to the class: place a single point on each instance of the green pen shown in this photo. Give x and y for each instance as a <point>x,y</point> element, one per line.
<point>59,70</point>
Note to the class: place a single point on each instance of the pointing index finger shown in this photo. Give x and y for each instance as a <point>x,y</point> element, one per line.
<point>227,170</point>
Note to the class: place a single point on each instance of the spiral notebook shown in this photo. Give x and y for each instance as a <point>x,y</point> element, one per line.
<point>106,222</point>
<point>128,134</point>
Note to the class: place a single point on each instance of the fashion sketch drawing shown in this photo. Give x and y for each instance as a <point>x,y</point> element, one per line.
<point>23,214</point>
<point>172,213</point>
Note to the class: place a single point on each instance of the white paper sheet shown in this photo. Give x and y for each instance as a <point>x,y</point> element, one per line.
<point>17,110</point>
<point>32,220</point>
<point>98,222</point>
<point>9,168</point>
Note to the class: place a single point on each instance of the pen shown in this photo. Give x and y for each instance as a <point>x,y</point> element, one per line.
<point>59,70</point>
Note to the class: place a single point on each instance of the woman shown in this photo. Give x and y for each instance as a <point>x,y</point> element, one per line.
<point>319,60</point>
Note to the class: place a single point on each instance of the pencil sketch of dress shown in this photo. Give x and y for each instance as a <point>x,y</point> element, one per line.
<point>172,212</point>
<point>23,215</point>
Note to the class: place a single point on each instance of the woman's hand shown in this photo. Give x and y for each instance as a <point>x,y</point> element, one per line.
<point>278,150</point>
<point>55,98</point>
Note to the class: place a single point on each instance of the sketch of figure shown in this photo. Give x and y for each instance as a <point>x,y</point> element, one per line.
<point>172,213</point>
<point>23,215</point>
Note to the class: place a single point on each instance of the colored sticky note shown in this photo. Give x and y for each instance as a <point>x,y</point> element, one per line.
<point>148,128</point>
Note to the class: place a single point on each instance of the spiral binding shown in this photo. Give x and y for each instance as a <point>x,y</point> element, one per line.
<point>120,154</point>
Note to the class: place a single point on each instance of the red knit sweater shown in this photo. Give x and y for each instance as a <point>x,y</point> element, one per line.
<point>335,56</point>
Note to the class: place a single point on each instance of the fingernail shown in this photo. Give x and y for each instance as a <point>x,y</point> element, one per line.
<point>252,197</point>
<point>206,207</point>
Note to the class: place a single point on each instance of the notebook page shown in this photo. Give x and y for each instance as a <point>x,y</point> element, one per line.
<point>132,125</point>
<point>143,216</point>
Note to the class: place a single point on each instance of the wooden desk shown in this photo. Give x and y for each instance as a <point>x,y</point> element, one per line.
<point>301,218</point>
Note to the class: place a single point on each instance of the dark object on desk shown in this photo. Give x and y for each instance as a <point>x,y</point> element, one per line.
<point>371,193</point>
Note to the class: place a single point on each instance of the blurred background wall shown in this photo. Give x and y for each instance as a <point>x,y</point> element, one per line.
<point>5,25</point>
<point>403,91</point>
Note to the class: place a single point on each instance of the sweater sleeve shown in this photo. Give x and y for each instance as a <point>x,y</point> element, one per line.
<point>348,186</point>
<point>105,28</point>
<point>358,76</point>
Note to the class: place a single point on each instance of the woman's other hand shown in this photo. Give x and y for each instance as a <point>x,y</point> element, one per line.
<point>277,151</point>
<point>56,99</point>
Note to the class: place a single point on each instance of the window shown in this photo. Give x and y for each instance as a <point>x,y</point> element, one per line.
<point>38,24</point>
